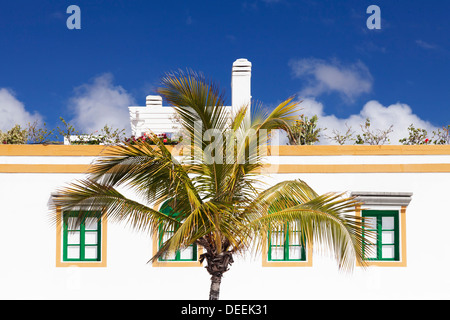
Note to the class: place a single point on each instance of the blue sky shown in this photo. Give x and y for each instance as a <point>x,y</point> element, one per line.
<point>321,51</point>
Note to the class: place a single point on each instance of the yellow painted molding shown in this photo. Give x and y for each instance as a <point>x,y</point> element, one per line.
<point>44,168</point>
<point>315,150</point>
<point>51,150</point>
<point>269,169</point>
<point>356,168</point>
<point>331,150</point>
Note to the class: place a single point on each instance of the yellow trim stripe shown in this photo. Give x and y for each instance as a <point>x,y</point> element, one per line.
<point>362,150</point>
<point>316,150</point>
<point>357,168</point>
<point>51,150</point>
<point>44,168</point>
<point>270,169</point>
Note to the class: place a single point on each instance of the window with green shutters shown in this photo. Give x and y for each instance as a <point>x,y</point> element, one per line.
<point>187,254</point>
<point>81,242</point>
<point>286,244</point>
<point>384,226</point>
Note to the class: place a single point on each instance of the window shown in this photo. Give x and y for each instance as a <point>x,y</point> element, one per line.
<point>286,244</point>
<point>386,214</point>
<point>188,255</point>
<point>82,245</point>
<point>81,242</point>
<point>385,227</point>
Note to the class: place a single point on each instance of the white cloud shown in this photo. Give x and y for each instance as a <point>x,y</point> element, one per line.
<point>101,103</point>
<point>350,81</point>
<point>13,112</point>
<point>399,115</point>
<point>425,45</point>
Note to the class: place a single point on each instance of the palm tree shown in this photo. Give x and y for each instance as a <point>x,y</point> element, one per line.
<point>216,193</point>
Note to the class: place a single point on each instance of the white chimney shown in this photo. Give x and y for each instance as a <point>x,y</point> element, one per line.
<point>153,101</point>
<point>240,85</point>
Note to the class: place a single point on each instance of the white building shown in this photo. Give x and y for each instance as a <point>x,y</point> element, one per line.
<point>161,119</point>
<point>405,187</point>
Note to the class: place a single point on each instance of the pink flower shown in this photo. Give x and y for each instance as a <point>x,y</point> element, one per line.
<point>165,140</point>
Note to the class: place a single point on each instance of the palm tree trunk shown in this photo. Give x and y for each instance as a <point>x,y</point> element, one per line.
<point>215,287</point>
<point>217,265</point>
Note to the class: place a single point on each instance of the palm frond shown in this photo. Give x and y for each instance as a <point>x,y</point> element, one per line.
<point>217,201</point>
<point>93,196</point>
<point>149,170</point>
<point>325,219</point>
<point>195,98</point>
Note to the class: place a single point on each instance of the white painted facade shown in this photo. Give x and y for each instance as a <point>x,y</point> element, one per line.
<point>29,174</point>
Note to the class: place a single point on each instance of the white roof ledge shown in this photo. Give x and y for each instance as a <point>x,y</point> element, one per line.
<point>383,198</point>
